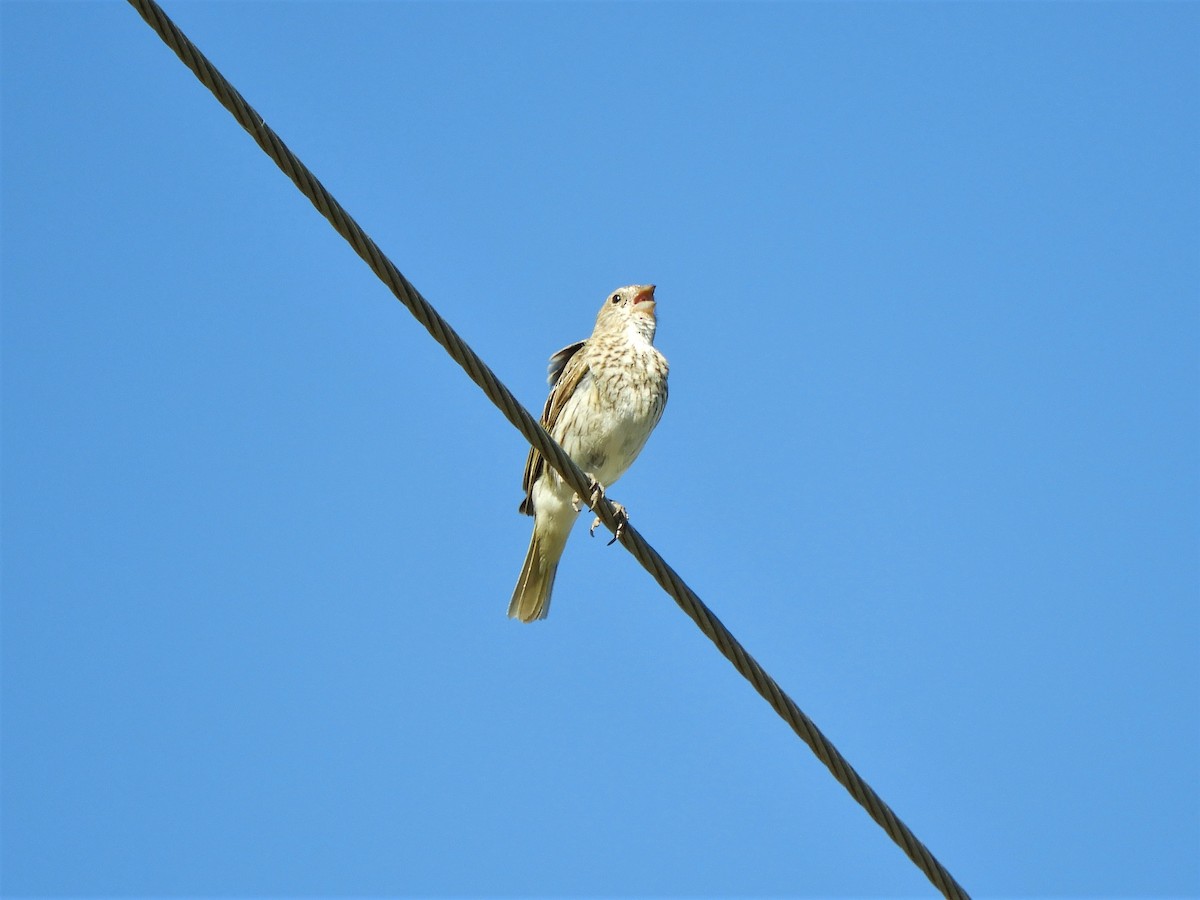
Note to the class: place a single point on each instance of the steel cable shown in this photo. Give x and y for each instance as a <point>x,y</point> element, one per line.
<point>529,427</point>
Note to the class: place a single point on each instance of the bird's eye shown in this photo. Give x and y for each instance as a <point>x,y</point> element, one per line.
<point>615,298</point>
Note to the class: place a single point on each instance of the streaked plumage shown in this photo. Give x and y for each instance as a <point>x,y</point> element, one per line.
<point>607,394</point>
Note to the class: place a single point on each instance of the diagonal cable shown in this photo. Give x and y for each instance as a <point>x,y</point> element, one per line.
<point>504,400</point>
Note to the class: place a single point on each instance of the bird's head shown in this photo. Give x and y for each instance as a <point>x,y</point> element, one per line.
<point>631,306</point>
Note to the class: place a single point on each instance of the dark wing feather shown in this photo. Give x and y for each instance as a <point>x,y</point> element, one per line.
<point>565,372</point>
<point>559,361</point>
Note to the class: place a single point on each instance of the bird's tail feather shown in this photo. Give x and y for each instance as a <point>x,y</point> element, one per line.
<point>531,598</point>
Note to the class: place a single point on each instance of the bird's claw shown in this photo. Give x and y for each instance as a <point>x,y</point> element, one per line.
<point>621,516</point>
<point>595,494</point>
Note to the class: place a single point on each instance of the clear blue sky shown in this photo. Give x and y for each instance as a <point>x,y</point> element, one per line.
<point>929,281</point>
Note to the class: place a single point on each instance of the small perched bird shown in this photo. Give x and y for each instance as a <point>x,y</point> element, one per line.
<point>607,394</point>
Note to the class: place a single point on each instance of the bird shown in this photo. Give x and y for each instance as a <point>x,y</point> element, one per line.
<point>607,394</point>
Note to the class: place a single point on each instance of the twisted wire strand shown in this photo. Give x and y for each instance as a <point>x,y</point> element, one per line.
<point>533,432</point>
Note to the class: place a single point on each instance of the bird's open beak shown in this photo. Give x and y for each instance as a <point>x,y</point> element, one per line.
<point>645,295</point>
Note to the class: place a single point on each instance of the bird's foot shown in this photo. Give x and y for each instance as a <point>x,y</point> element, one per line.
<point>595,493</point>
<point>622,517</point>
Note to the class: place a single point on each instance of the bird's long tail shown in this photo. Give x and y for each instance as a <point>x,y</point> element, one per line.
<point>531,598</point>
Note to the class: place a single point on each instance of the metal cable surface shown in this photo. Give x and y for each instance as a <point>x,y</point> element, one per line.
<point>524,422</point>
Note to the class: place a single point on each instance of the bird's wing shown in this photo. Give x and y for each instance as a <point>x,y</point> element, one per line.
<point>559,361</point>
<point>566,370</point>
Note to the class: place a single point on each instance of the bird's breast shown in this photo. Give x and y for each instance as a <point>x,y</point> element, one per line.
<point>613,411</point>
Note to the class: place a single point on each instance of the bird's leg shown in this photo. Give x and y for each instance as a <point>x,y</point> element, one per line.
<point>621,516</point>
<point>595,492</point>
<point>595,495</point>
